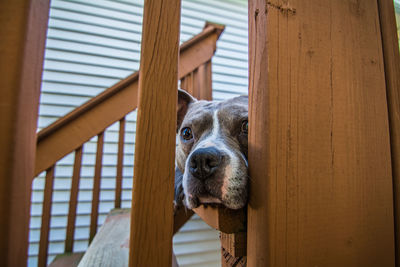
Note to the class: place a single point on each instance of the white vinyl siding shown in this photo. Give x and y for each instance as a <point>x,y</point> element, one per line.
<point>91,45</point>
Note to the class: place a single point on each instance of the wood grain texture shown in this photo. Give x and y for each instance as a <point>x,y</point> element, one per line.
<point>94,214</point>
<point>23,32</point>
<point>153,186</point>
<point>391,57</point>
<point>73,201</point>
<point>46,216</point>
<point>77,127</point>
<point>319,150</point>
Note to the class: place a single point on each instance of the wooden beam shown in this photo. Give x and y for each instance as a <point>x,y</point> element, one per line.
<point>23,32</point>
<point>77,127</point>
<point>390,45</point>
<point>153,187</point>
<point>223,219</point>
<point>319,149</point>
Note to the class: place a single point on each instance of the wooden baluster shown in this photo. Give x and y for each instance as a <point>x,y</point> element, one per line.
<point>392,69</point>
<point>198,83</point>
<point>203,82</point>
<point>120,163</point>
<point>23,35</point>
<point>96,187</point>
<point>187,84</point>
<point>46,215</point>
<point>73,201</point>
<point>152,214</point>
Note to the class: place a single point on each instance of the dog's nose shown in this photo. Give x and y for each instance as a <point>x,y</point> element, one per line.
<point>204,162</point>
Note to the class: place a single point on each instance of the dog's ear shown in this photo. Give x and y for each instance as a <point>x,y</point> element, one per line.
<point>184,100</point>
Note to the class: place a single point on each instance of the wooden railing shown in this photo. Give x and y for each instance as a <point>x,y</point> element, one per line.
<point>71,132</point>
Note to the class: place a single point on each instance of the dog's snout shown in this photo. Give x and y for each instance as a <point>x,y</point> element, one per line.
<point>204,162</point>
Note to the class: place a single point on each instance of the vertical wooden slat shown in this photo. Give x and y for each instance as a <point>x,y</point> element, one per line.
<point>199,83</point>
<point>120,163</point>
<point>187,83</point>
<point>153,187</point>
<point>23,32</point>
<point>203,81</point>
<point>73,201</point>
<point>319,148</point>
<point>96,186</point>
<point>46,215</point>
<point>392,74</point>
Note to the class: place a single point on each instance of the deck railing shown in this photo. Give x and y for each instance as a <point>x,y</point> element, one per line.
<point>70,133</point>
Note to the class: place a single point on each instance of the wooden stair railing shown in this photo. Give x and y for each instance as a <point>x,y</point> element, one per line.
<point>71,132</point>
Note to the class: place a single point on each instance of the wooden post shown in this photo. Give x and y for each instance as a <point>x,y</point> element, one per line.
<point>391,56</point>
<point>153,184</point>
<point>23,32</point>
<point>321,189</point>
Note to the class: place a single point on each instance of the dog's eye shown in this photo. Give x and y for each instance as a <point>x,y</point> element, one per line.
<point>186,133</point>
<point>245,127</point>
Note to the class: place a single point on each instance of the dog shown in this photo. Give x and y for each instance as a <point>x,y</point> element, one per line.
<point>211,153</point>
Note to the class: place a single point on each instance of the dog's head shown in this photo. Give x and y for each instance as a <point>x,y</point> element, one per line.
<point>212,150</point>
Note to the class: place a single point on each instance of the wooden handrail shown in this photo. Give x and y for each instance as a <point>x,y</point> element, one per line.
<point>77,127</point>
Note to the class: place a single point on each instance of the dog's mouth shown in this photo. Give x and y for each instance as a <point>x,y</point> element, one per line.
<point>215,192</point>
<point>209,200</point>
<point>195,201</point>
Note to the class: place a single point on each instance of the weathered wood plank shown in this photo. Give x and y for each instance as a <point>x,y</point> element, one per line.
<point>86,121</point>
<point>67,260</point>
<point>153,187</point>
<point>391,56</point>
<point>319,150</point>
<point>110,246</point>
<point>23,27</point>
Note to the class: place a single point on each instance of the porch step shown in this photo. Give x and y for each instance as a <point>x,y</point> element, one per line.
<point>110,246</point>
<point>67,260</point>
